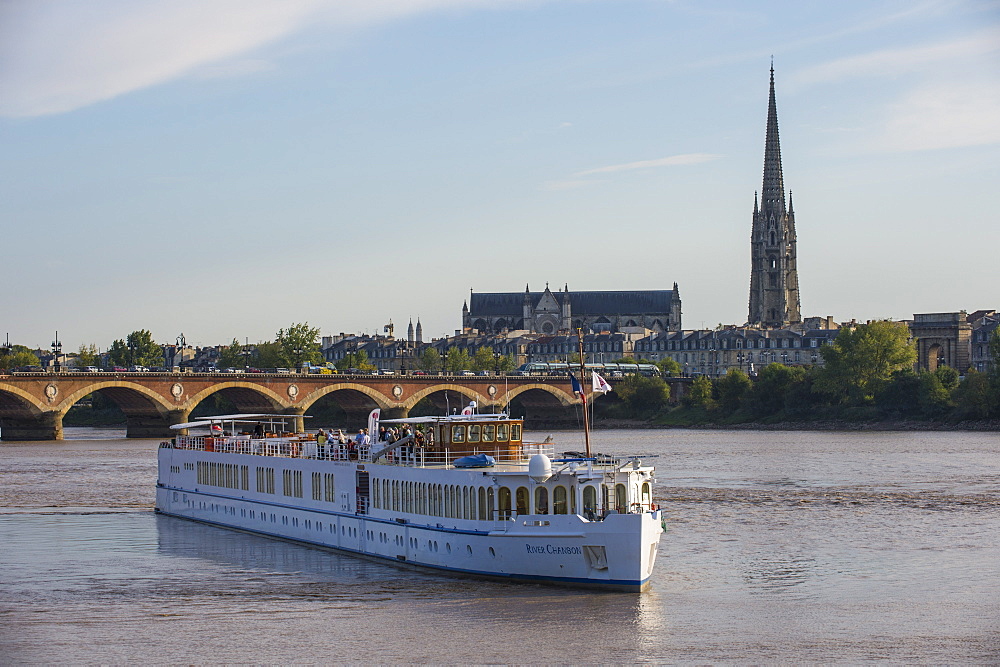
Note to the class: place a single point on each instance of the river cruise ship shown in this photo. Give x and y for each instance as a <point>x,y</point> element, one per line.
<point>461,494</point>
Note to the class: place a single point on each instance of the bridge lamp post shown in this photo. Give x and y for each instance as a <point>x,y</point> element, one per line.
<point>56,351</point>
<point>181,341</point>
<point>739,360</point>
<point>496,361</point>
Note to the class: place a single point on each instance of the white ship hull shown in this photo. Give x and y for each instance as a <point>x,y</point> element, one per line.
<point>409,515</point>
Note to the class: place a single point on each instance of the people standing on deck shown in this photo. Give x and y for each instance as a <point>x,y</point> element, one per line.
<point>258,430</point>
<point>418,443</point>
<point>321,440</point>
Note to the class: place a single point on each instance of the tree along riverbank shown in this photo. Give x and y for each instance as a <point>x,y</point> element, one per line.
<point>816,425</point>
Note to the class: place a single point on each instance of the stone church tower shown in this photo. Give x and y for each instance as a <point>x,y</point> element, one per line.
<point>774,277</point>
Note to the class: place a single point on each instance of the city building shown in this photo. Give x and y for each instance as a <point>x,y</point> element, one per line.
<point>714,352</point>
<point>943,339</point>
<point>551,313</point>
<point>984,325</point>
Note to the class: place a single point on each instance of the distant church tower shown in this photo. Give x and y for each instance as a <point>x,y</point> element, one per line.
<point>774,278</point>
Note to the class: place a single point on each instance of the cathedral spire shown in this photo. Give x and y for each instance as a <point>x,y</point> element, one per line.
<point>774,279</point>
<point>772,193</point>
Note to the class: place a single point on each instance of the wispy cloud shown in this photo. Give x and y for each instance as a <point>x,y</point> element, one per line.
<point>59,56</point>
<point>558,186</point>
<point>950,114</point>
<point>582,179</point>
<point>893,62</point>
<point>672,161</point>
<point>234,68</point>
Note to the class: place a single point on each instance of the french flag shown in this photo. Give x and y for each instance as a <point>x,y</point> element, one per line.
<point>577,389</point>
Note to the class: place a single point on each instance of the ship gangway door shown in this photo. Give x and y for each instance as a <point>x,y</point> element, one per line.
<point>362,492</point>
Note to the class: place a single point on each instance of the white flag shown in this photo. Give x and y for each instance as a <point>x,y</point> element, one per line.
<point>373,418</point>
<point>600,384</point>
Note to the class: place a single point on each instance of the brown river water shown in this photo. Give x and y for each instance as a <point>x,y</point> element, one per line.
<point>781,547</point>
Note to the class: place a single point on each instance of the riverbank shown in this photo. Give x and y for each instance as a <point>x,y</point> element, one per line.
<point>821,425</point>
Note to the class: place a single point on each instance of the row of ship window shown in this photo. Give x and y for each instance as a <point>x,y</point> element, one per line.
<point>345,531</point>
<point>485,433</point>
<point>236,476</point>
<point>488,502</point>
<point>448,501</point>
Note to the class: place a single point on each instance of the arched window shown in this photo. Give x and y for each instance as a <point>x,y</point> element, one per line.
<point>621,498</point>
<point>504,501</point>
<point>521,498</point>
<point>541,500</point>
<point>490,505</point>
<point>589,500</point>
<point>559,504</point>
<point>483,511</point>
<point>646,498</point>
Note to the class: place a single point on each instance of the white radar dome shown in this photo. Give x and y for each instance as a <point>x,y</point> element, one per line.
<point>539,467</point>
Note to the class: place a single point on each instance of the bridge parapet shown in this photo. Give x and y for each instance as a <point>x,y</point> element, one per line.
<point>32,405</point>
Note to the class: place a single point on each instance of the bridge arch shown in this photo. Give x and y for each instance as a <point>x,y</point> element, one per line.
<point>560,395</point>
<point>147,412</point>
<point>155,398</point>
<point>247,396</point>
<point>541,402</point>
<point>354,400</point>
<point>379,399</point>
<point>465,392</point>
<point>22,418</point>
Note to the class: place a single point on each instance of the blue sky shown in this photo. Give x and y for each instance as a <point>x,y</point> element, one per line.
<point>226,168</point>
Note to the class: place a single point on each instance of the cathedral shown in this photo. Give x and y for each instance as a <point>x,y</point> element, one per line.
<point>774,278</point>
<point>562,311</point>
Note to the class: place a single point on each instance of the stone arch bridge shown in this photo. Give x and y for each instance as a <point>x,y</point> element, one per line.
<point>32,406</point>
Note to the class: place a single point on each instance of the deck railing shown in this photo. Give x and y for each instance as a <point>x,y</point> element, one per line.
<point>305,448</point>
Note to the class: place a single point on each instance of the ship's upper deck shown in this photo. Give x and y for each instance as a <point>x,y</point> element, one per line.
<point>426,442</point>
